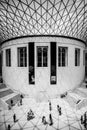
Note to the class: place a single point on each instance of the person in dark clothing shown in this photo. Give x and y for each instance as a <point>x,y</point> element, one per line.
<point>50,119</point>
<point>44,120</point>
<point>58,107</point>
<point>21,96</point>
<point>81,119</point>
<point>30,115</point>
<point>60,111</point>
<point>50,107</point>
<point>11,102</point>
<point>85,120</point>
<point>9,127</point>
<point>21,101</point>
<point>14,117</point>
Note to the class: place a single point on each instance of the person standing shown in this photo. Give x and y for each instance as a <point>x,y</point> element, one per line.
<point>50,120</point>
<point>9,127</point>
<point>14,118</point>
<point>81,119</point>
<point>21,101</point>
<point>50,107</point>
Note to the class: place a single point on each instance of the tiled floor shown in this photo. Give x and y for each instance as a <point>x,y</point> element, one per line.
<point>69,120</point>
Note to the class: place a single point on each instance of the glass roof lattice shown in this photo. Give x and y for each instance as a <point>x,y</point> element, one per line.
<point>43,17</point>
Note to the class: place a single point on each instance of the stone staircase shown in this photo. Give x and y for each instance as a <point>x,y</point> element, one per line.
<point>6,94</point>
<point>77,98</point>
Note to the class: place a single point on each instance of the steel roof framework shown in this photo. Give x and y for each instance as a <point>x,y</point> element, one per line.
<point>43,17</point>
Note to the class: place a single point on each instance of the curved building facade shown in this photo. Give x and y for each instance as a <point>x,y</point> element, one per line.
<point>43,66</point>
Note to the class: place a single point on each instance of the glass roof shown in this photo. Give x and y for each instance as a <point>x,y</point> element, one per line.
<point>43,17</point>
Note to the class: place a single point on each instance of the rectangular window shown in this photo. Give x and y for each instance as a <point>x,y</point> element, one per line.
<point>62,56</point>
<point>1,54</point>
<point>77,57</point>
<point>22,57</point>
<point>8,57</point>
<point>42,56</point>
<point>2,58</point>
<point>84,57</point>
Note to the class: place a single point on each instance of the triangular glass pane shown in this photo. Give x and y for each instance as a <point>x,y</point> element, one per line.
<point>37,5</point>
<point>23,6</point>
<point>45,4</point>
<point>43,10</point>
<point>32,5</point>
<point>49,5</point>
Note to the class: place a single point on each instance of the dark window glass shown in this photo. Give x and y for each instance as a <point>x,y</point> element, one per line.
<point>8,57</point>
<point>45,57</point>
<point>62,56</point>
<point>77,57</point>
<point>2,58</point>
<point>39,57</point>
<point>84,57</point>
<point>42,56</point>
<point>22,57</point>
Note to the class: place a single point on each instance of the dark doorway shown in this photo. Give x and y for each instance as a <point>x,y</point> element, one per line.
<point>53,62</point>
<point>31,63</point>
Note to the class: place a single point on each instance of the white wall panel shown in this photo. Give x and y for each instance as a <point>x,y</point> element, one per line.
<point>68,77</point>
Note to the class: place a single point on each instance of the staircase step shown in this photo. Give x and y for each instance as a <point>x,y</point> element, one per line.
<point>2,86</point>
<point>81,104</point>
<point>81,92</point>
<point>15,99</point>
<point>75,96</point>
<point>4,89</point>
<point>5,93</point>
<point>6,101</point>
<point>7,97</point>
<point>3,104</point>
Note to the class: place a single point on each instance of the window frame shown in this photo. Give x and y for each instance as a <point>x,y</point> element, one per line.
<point>84,58</point>
<point>62,55</point>
<point>2,58</point>
<point>43,64</point>
<point>8,57</point>
<point>22,58</point>
<point>77,56</point>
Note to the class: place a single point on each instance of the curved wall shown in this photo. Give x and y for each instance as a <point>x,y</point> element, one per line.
<point>68,77</point>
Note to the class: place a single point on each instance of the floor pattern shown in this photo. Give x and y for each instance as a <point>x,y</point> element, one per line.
<point>69,120</point>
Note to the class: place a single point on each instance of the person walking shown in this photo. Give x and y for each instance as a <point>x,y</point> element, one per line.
<point>50,120</point>
<point>50,107</point>
<point>9,127</point>
<point>14,118</point>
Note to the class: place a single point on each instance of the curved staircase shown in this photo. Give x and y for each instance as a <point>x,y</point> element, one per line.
<point>77,98</point>
<point>6,94</point>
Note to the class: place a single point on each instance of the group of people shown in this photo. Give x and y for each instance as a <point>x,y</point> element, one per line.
<point>18,103</point>
<point>10,106</point>
<point>50,120</point>
<point>84,119</point>
<point>50,115</point>
<point>59,109</point>
<point>30,115</point>
<point>14,119</point>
